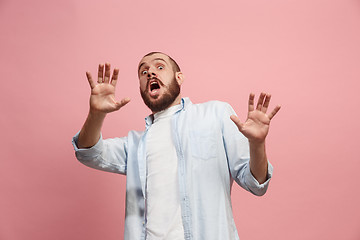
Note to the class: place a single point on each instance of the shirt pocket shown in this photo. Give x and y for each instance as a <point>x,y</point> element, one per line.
<point>202,144</point>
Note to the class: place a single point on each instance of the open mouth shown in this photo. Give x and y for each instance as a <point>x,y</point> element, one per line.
<point>154,85</point>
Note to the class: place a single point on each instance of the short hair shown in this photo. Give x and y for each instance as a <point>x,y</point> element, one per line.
<point>174,65</point>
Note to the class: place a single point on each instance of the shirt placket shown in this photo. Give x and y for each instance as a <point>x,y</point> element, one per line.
<point>184,199</point>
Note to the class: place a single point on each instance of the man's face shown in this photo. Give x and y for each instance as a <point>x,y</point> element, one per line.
<point>159,84</point>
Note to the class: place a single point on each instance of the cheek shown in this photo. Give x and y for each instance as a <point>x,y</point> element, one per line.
<point>168,78</point>
<point>142,85</point>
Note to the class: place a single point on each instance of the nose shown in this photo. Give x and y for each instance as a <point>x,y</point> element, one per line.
<point>151,73</point>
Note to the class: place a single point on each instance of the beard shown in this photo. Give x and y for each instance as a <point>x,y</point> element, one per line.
<point>165,100</point>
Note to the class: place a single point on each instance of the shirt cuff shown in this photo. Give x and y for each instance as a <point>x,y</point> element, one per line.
<point>84,153</point>
<point>254,186</point>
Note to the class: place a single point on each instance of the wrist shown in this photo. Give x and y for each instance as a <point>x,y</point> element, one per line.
<point>94,114</point>
<point>256,143</point>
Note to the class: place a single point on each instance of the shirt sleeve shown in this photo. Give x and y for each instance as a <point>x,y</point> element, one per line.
<point>238,155</point>
<point>108,155</point>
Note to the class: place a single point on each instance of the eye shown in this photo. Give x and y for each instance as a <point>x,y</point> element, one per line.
<point>160,67</point>
<point>144,72</point>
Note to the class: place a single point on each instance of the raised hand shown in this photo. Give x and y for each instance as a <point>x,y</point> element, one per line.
<point>256,126</point>
<point>102,99</point>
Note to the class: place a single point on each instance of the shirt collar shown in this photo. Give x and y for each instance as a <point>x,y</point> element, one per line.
<point>185,102</point>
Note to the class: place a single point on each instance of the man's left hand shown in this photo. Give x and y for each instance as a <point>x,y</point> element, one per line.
<point>256,126</point>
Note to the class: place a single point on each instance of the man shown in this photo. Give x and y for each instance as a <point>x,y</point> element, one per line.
<point>181,168</point>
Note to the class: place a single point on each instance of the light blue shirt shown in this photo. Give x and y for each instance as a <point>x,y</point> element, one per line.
<point>212,153</point>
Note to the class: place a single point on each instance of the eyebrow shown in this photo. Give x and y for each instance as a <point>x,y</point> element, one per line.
<point>152,60</point>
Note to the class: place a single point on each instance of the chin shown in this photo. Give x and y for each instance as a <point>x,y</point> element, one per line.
<point>163,100</point>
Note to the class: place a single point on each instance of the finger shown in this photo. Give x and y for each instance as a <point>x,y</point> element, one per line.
<point>107,73</point>
<point>101,73</point>
<point>89,78</point>
<point>260,101</point>
<point>276,109</point>
<point>237,122</point>
<point>114,77</point>
<point>122,103</point>
<point>251,102</point>
<point>266,103</point>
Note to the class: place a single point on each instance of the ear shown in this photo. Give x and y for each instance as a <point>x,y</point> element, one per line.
<point>179,77</point>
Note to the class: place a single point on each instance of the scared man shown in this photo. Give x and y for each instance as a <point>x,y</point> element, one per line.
<point>180,169</point>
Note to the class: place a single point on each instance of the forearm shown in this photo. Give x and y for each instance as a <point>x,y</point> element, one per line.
<point>258,161</point>
<point>90,132</point>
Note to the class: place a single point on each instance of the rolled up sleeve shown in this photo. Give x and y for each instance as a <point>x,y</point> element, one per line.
<point>107,155</point>
<point>253,185</point>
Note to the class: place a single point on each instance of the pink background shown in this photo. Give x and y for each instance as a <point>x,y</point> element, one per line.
<point>306,53</point>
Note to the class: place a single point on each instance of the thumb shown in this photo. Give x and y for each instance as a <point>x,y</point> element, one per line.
<point>122,103</point>
<point>237,121</point>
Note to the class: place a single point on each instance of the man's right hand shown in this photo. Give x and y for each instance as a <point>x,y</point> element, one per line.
<point>102,99</point>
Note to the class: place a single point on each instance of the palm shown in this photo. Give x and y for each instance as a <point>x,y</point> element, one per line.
<point>102,97</point>
<point>256,126</point>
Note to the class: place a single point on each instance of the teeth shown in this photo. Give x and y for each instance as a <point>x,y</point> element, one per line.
<point>154,85</point>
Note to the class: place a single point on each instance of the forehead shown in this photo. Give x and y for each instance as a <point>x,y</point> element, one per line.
<point>154,57</point>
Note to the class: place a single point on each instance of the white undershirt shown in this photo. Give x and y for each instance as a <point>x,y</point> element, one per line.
<point>163,205</point>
